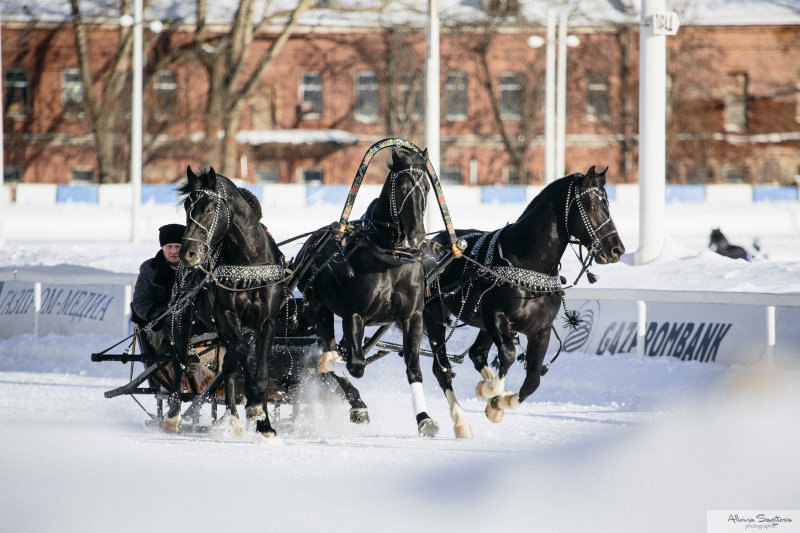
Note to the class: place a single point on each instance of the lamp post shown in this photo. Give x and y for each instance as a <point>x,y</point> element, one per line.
<point>555,93</point>
<point>136,20</point>
<point>432,102</point>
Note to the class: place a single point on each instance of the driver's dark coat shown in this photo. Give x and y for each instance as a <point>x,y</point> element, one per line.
<point>153,289</point>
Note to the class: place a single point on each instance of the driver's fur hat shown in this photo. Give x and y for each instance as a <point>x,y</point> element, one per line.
<point>171,234</point>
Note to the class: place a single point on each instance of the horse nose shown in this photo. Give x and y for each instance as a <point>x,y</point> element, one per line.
<point>190,257</point>
<point>618,251</point>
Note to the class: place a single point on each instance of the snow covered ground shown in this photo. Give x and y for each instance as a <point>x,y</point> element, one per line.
<point>606,444</point>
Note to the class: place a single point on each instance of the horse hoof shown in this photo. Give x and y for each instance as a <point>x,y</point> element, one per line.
<point>494,414</point>
<point>255,412</point>
<point>327,360</point>
<point>172,424</point>
<point>463,431</point>
<point>428,428</point>
<point>359,415</point>
<point>265,429</point>
<point>487,389</point>
<point>356,370</point>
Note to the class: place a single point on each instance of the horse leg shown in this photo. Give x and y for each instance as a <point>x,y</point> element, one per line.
<point>412,337</point>
<point>172,422</point>
<point>442,369</point>
<point>534,357</point>
<point>327,340</point>
<point>358,409</point>
<point>501,334</point>
<point>353,331</point>
<point>490,385</point>
<point>257,398</point>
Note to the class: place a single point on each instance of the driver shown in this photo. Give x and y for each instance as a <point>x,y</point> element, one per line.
<point>153,289</point>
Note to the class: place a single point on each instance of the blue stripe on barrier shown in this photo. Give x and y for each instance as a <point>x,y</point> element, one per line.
<point>326,194</point>
<point>503,194</point>
<point>772,193</point>
<point>159,193</point>
<point>77,193</point>
<point>611,192</point>
<point>689,194</point>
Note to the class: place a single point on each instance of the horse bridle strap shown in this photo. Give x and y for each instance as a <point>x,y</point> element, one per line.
<point>574,197</point>
<point>222,198</point>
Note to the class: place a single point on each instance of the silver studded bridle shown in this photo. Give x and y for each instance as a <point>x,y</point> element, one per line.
<point>222,199</point>
<point>574,194</point>
<point>418,176</point>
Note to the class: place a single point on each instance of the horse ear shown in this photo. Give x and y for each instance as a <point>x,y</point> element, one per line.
<point>588,178</point>
<point>425,154</point>
<point>602,176</point>
<point>395,158</point>
<point>212,178</point>
<point>191,176</point>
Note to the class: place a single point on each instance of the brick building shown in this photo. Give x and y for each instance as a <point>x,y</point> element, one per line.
<point>336,87</point>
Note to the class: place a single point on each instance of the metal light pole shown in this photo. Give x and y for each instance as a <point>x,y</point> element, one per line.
<point>555,90</point>
<point>432,137</point>
<point>655,26</point>
<point>136,115</point>
<point>136,122</point>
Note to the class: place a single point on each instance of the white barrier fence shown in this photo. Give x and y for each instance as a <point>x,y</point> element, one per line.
<point>725,327</point>
<point>64,301</point>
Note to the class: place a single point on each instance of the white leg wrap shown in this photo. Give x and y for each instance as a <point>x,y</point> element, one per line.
<point>487,374</point>
<point>327,360</point>
<point>508,401</point>
<point>418,398</point>
<point>490,387</point>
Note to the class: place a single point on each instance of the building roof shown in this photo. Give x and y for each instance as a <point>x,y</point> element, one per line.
<point>379,13</point>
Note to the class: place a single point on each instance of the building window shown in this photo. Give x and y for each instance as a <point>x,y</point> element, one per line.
<point>72,92</point>
<point>311,95</point>
<point>165,87</point>
<point>312,176</point>
<point>16,96</point>
<point>502,8</point>
<point>510,95</point>
<point>735,174</point>
<point>451,175</point>
<point>597,96</point>
<point>455,95</point>
<point>367,87</point>
<point>736,102</point>
<point>80,176</point>
<point>409,96</point>
<point>12,175</point>
<point>269,175</point>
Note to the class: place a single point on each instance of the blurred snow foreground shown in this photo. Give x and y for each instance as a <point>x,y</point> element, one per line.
<point>608,443</point>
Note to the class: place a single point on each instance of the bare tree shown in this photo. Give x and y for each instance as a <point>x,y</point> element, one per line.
<point>224,58</point>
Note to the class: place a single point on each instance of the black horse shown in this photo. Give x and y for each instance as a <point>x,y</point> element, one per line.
<point>374,275</point>
<point>719,243</point>
<point>245,297</point>
<point>523,292</point>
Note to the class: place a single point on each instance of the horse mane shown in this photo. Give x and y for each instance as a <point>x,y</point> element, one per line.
<point>545,194</point>
<point>252,201</point>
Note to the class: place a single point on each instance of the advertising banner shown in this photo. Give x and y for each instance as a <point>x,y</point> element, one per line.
<point>64,310</point>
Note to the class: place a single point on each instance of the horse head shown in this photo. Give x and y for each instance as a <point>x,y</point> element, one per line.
<point>590,219</point>
<point>208,215</point>
<point>402,200</point>
<point>717,240</point>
